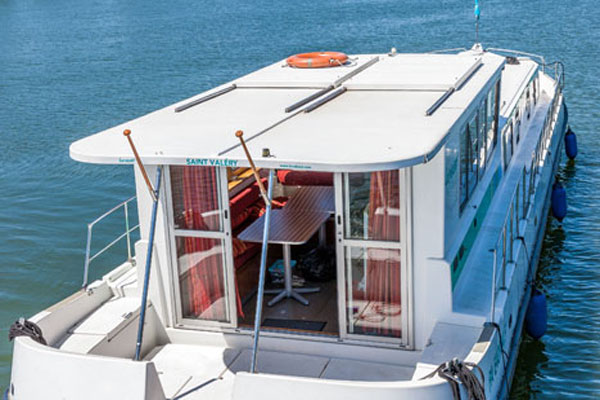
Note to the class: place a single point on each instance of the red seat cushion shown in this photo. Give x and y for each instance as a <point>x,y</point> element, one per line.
<point>239,205</point>
<point>305,178</point>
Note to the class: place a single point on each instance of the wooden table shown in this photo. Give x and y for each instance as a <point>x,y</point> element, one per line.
<point>314,198</point>
<point>289,226</point>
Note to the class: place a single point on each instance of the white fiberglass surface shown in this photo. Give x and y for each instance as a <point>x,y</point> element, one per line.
<point>513,79</point>
<point>380,122</point>
<point>202,130</point>
<point>358,127</point>
<point>416,72</point>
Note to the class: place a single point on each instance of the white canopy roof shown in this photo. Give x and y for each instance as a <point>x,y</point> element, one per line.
<point>377,121</point>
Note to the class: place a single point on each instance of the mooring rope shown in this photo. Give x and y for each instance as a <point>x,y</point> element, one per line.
<point>22,327</point>
<point>458,373</point>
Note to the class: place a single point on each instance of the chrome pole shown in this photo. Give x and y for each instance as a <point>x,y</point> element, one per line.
<point>140,334</point>
<point>262,275</point>
<point>86,265</point>
<point>492,311</point>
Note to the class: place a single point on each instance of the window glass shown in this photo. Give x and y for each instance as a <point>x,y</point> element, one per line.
<point>372,204</point>
<point>508,146</point>
<point>196,201</point>
<point>473,155</point>
<point>373,298</point>
<point>490,122</point>
<point>496,111</point>
<point>528,101</point>
<point>482,138</point>
<point>517,128</point>
<point>464,167</point>
<point>201,278</point>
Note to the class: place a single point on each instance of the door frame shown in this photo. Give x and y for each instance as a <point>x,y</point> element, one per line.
<point>228,267</point>
<point>405,247</point>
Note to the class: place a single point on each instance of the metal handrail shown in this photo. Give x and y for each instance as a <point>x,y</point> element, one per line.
<point>457,49</point>
<point>518,53</point>
<point>559,68</point>
<point>127,234</point>
<point>538,156</point>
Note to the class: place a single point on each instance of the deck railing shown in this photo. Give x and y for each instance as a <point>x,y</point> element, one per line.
<point>521,199</point>
<point>126,234</point>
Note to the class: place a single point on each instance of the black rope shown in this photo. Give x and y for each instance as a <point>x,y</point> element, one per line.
<point>530,277</point>
<point>22,327</point>
<point>504,356</point>
<point>458,373</point>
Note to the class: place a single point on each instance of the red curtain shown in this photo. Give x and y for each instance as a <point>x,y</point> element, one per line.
<point>384,206</point>
<point>196,207</point>
<point>383,265</point>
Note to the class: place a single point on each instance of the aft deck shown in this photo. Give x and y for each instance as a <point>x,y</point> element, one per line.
<point>206,372</point>
<point>193,364</point>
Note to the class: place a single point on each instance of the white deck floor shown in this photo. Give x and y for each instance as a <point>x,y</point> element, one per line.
<point>472,293</point>
<point>192,372</point>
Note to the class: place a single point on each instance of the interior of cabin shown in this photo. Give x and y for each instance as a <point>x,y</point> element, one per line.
<point>303,237</point>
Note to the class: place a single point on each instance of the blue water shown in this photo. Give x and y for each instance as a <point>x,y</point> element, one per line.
<point>70,68</point>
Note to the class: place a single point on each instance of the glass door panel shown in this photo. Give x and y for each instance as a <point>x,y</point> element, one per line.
<point>201,278</point>
<point>196,199</point>
<point>373,297</point>
<point>372,205</point>
<point>202,245</point>
<point>371,257</point>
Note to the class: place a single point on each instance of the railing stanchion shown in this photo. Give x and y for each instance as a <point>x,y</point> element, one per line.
<point>495,266</point>
<point>128,236</point>
<point>86,266</point>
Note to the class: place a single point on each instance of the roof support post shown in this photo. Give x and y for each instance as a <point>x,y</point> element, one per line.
<point>262,275</point>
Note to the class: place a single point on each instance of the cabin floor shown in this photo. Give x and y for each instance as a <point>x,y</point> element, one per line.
<point>320,316</point>
<point>191,372</point>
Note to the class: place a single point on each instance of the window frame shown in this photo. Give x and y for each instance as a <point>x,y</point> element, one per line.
<point>481,136</point>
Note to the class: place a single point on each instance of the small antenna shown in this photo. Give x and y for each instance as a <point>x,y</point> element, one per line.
<point>477,14</point>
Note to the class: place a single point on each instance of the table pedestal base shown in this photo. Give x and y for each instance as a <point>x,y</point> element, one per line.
<point>289,291</point>
<point>294,294</point>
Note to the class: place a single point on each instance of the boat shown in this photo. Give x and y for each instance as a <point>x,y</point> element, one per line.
<point>366,229</point>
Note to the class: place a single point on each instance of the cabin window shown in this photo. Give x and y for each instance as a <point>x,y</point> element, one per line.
<point>528,103</point>
<point>372,253</point>
<point>477,143</point>
<point>508,144</point>
<point>517,129</point>
<point>464,167</point>
<point>491,110</point>
<point>199,242</point>
<point>482,138</point>
<point>473,155</point>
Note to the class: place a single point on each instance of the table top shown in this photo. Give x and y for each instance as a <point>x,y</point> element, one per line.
<point>313,198</point>
<point>288,226</point>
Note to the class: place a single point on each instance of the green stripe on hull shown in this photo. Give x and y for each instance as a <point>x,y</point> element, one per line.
<point>465,248</point>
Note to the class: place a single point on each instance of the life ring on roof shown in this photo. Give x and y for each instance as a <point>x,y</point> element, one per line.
<point>317,59</point>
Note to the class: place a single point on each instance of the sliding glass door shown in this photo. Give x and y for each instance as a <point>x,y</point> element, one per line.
<point>200,229</point>
<point>372,261</point>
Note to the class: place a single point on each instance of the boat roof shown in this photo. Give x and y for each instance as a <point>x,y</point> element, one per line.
<point>369,115</point>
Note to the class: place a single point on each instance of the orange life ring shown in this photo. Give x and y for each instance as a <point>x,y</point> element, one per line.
<point>317,59</point>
